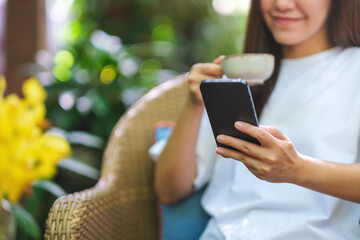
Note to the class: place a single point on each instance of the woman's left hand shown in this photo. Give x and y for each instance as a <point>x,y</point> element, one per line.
<point>276,160</point>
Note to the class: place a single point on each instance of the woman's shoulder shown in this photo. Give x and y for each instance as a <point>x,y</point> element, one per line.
<point>347,64</point>
<point>350,53</point>
<point>345,59</point>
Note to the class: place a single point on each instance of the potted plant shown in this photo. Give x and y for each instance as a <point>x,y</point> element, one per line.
<point>28,152</point>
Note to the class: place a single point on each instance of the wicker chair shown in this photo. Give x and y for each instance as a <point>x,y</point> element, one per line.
<point>122,205</point>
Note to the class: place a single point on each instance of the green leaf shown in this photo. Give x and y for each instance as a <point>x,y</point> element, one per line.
<point>79,168</point>
<point>51,187</point>
<point>26,222</point>
<point>78,137</point>
<point>85,139</point>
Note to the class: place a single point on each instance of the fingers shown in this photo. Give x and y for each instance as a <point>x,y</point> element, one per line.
<point>199,72</point>
<point>243,146</point>
<point>197,77</point>
<point>253,164</point>
<point>274,131</point>
<point>264,137</point>
<point>194,82</point>
<point>202,71</point>
<point>210,69</point>
<point>276,160</point>
<point>234,154</point>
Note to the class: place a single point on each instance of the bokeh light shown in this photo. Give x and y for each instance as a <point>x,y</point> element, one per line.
<point>163,32</point>
<point>163,48</point>
<point>61,73</point>
<point>149,69</point>
<point>131,95</point>
<point>108,74</point>
<point>83,104</point>
<point>72,31</point>
<point>60,10</point>
<point>106,42</point>
<point>66,100</point>
<point>64,58</point>
<point>128,67</point>
<point>228,7</point>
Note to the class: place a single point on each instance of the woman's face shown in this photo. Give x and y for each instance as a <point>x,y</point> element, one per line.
<point>296,23</point>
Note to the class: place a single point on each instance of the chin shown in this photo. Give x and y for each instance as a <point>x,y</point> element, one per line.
<point>288,40</point>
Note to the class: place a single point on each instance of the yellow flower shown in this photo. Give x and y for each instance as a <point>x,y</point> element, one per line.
<point>2,86</point>
<point>26,152</point>
<point>33,91</point>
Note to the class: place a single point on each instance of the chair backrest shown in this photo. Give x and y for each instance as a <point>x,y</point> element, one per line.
<point>126,164</point>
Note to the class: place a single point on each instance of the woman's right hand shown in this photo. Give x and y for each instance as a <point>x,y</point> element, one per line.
<point>199,72</point>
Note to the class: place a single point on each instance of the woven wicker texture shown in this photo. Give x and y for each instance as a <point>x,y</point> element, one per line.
<point>122,205</point>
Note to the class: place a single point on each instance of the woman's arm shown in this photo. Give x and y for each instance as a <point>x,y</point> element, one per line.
<point>335,179</point>
<point>276,160</point>
<point>176,167</point>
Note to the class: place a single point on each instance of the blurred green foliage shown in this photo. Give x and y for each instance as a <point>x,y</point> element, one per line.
<point>114,51</point>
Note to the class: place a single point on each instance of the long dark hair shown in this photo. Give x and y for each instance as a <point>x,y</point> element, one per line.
<point>343,29</point>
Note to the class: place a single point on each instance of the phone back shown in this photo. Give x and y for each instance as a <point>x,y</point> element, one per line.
<point>227,101</point>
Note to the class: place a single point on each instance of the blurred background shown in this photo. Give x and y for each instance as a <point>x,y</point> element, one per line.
<point>95,59</point>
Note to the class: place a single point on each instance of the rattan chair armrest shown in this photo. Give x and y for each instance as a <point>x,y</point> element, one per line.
<point>69,213</point>
<point>122,205</point>
<point>95,213</point>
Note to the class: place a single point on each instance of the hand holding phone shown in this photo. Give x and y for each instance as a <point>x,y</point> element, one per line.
<point>227,101</point>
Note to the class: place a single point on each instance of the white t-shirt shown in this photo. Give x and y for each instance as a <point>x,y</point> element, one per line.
<point>316,103</point>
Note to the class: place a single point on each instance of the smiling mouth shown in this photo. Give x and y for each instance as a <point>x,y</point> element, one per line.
<point>285,20</point>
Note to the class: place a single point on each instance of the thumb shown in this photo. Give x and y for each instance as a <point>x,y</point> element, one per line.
<point>219,59</point>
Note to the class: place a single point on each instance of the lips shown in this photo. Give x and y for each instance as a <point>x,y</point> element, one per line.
<point>286,20</point>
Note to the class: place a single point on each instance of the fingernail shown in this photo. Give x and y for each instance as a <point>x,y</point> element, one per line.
<point>239,124</point>
<point>221,138</point>
<point>219,151</point>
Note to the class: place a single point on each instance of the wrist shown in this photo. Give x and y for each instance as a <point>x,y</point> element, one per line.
<point>308,171</point>
<point>194,104</point>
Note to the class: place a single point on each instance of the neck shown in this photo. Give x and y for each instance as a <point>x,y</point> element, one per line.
<point>316,44</point>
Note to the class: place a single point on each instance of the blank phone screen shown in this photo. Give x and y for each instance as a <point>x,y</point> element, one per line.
<point>227,101</point>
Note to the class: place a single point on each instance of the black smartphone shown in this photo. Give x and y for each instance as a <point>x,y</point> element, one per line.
<point>227,101</point>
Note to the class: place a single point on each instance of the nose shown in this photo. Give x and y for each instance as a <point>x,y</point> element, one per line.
<point>284,5</point>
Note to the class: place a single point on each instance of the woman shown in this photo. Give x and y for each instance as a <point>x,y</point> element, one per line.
<point>311,181</point>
